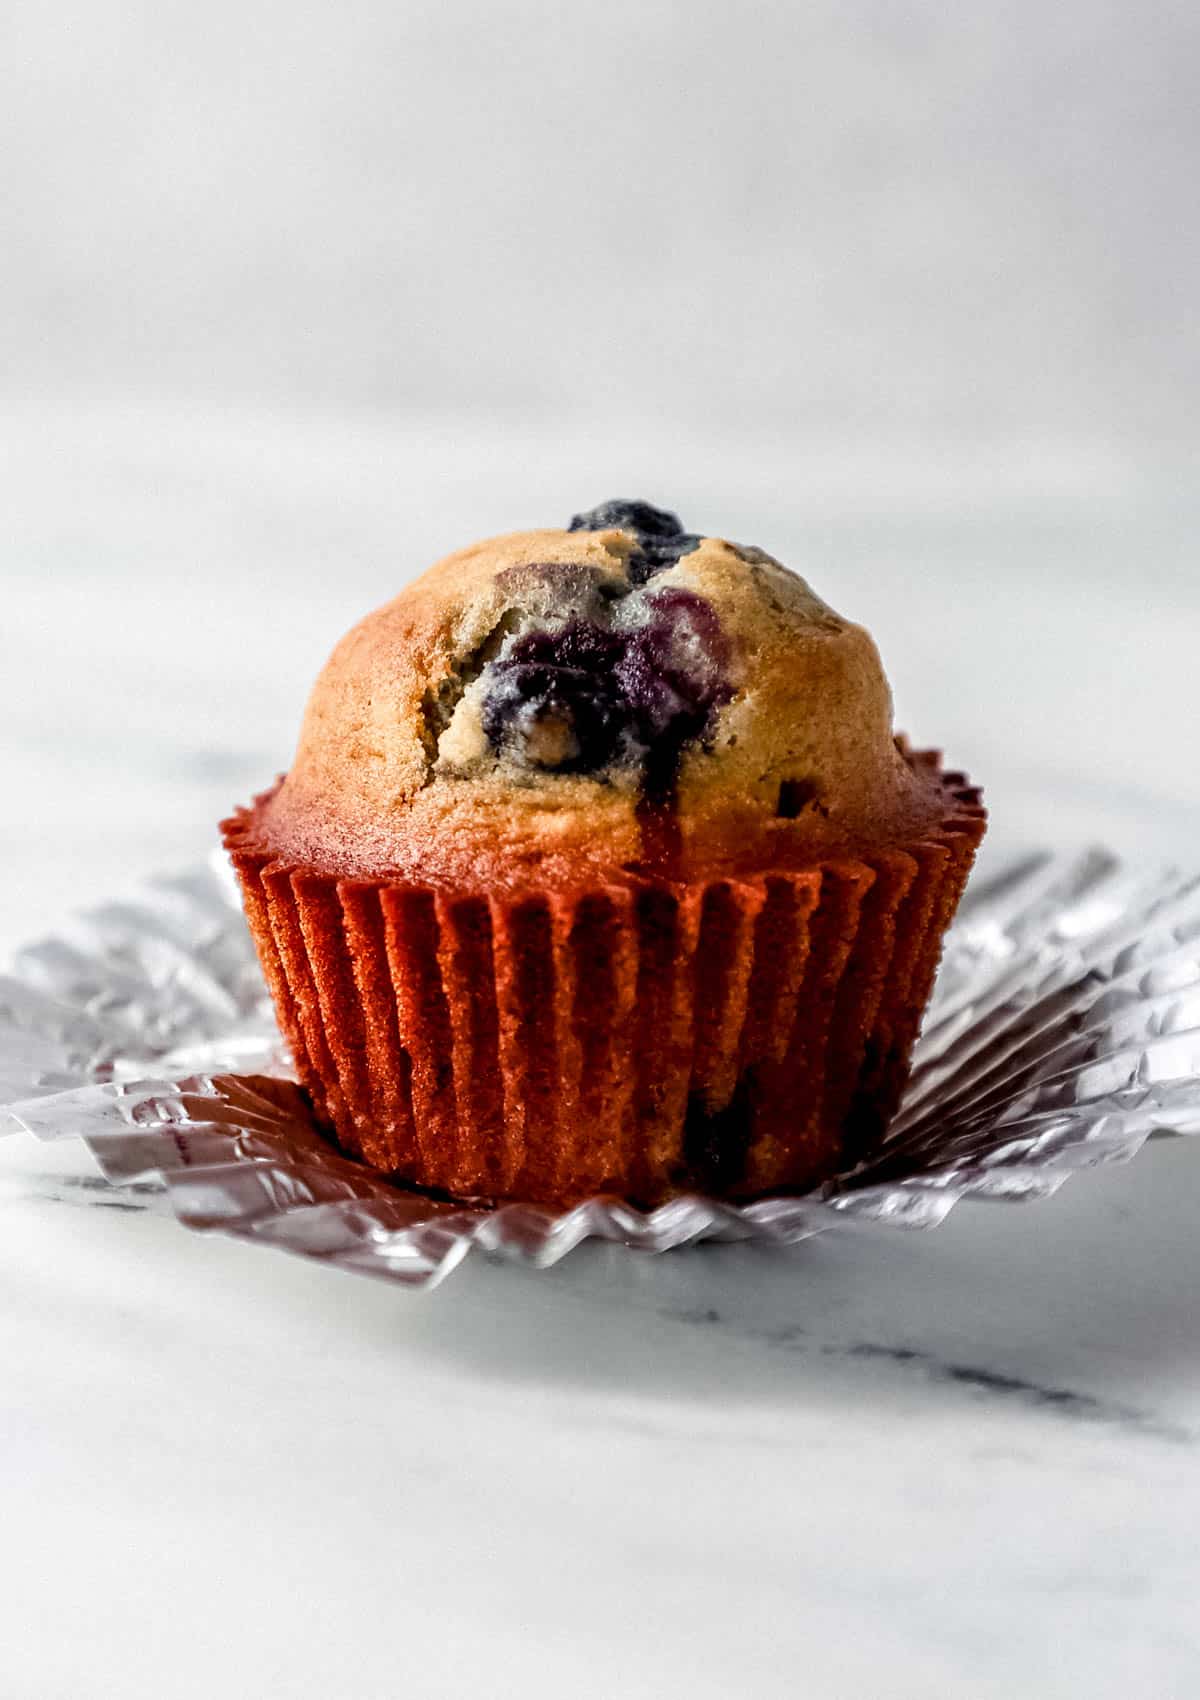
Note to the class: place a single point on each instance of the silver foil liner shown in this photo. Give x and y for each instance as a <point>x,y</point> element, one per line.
<point>1064,1031</point>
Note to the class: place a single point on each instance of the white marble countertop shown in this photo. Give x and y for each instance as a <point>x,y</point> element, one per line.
<point>958,1463</point>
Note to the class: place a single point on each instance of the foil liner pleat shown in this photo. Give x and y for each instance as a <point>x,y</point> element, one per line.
<point>1064,1030</point>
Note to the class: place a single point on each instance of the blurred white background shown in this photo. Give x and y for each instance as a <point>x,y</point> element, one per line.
<point>881,217</point>
<point>296,298</point>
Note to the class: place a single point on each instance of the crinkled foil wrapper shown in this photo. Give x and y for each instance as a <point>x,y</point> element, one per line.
<point>1063,1032</point>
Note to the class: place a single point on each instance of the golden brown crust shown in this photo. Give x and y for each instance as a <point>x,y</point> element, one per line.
<point>393,775</point>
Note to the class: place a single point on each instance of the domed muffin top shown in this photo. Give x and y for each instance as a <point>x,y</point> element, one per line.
<point>618,696</point>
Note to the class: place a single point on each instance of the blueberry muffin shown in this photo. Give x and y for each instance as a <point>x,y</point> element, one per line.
<point>599,869</point>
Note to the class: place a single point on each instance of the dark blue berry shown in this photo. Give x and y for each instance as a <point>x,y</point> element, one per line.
<point>672,671</point>
<point>566,677</point>
<point>795,795</point>
<point>576,698</point>
<point>660,535</point>
<point>580,646</point>
<point>641,517</point>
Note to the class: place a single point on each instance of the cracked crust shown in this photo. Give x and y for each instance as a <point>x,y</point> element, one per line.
<point>394,774</point>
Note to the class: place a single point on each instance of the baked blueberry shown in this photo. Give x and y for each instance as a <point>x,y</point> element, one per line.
<point>553,698</point>
<point>640,517</point>
<point>584,695</point>
<point>660,534</point>
<point>673,672</point>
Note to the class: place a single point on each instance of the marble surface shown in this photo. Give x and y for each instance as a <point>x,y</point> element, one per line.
<point>961,1462</point>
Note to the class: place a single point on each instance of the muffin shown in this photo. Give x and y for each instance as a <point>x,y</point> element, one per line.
<point>600,870</point>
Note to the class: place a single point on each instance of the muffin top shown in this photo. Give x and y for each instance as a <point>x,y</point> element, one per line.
<point>618,698</point>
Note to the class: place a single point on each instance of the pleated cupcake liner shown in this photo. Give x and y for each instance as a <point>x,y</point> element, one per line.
<point>730,1035</point>
<point>1063,1031</point>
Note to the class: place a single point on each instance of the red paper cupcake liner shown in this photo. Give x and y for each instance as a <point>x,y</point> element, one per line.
<point>731,1036</point>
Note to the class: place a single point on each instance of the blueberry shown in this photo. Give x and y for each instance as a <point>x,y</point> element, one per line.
<point>577,698</point>
<point>673,674</point>
<point>660,535</point>
<point>581,645</point>
<point>553,698</point>
<point>795,795</point>
<point>641,517</point>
